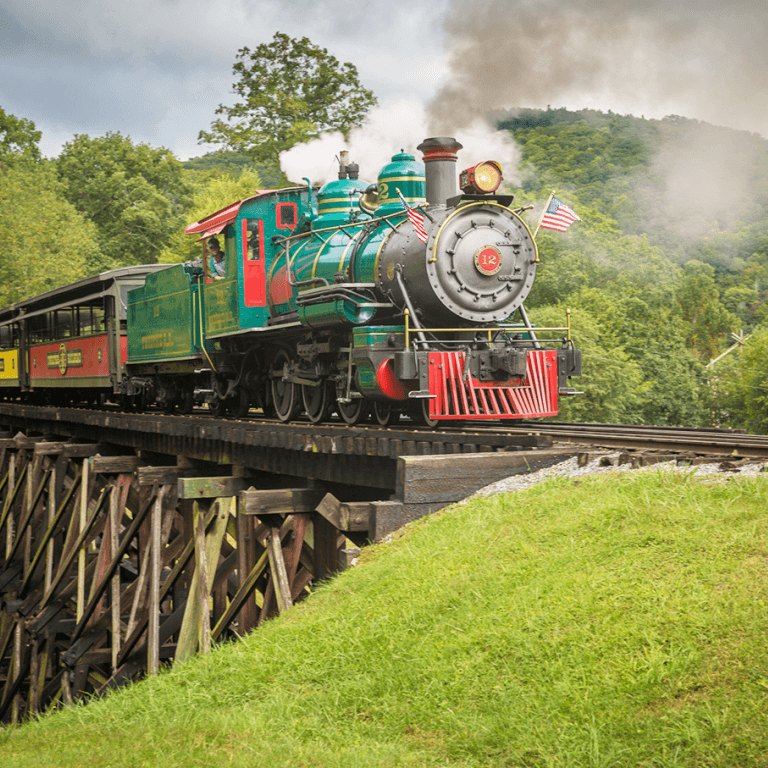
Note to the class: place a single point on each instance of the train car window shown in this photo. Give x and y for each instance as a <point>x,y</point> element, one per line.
<point>254,245</point>
<point>85,321</point>
<point>62,323</point>
<point>36,326</point>
<point>122,310</point>
<point>206,265</point>
<point>98,319</point>
<point>41,327</point>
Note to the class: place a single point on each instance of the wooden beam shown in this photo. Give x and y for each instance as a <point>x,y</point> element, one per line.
<point>22,442</point>
<point>243,593</point>
<point>47,448</point>
<point>85,491</point>
<point>153,629</point>
<point>195,630</point>
<point>70,450</point>
<point>113,465</point>
<point>246,557</point>
<point>117,557</point>
<point>160,475</point>
<point>116,508</point>
<point>28,516</point>
<point>300,523</point>
<point>63,564</point>
<point>282,585</point>
<point>96,630</point>
<point>211,487</point>
<point>346,516</point>
<point>9,501</point>
<point>286,501</point>
<point>326,539</point>
<point>81,450</point>
<point>442,480</point>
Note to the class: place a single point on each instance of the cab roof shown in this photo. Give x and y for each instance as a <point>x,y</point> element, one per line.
<point>216,222</point>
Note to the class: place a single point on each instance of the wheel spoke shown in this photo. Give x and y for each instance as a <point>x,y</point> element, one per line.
<point>317,402</point>
<point>284,393</point>
<point>354,411</point>
<point>419,412</point>
<point>385,413</point>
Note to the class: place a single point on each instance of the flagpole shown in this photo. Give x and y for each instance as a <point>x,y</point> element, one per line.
<point>544,213</point>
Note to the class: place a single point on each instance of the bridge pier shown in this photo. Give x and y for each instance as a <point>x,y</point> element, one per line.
<point>112,567</point>
<point>143,539</point>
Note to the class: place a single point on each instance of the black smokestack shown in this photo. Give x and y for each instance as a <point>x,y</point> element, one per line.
<point>440,165</point>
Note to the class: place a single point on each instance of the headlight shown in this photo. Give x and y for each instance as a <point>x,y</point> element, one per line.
<point>484,178</point>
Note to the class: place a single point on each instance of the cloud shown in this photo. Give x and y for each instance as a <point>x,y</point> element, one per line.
<point>158,70</point>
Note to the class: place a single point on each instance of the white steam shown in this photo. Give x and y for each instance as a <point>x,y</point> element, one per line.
<point>399,126</point>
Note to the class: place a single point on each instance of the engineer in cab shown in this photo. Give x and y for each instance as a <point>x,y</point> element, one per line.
<point>216,263</point>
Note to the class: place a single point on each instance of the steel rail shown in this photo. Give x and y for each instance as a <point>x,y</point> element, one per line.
<point>494,435</point>
<point>700,441</point>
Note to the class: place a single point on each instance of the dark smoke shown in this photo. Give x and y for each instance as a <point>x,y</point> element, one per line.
<point>651,57</point>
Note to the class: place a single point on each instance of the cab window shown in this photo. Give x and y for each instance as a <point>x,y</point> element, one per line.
<point>226,245</point>
<point>286,215</point>
<point>255,239</point>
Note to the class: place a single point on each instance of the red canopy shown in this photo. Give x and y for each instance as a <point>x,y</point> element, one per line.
<point>215,223</point>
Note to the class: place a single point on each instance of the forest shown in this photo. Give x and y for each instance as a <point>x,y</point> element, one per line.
<point>666,271</point>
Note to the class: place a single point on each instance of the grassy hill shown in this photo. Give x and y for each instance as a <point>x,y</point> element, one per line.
<point>617,620</point>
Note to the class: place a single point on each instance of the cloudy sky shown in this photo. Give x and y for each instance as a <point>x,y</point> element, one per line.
<point>157,69</point>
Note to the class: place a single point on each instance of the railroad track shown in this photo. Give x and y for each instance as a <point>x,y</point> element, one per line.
<point>494,436</point>
<point>703,442</point>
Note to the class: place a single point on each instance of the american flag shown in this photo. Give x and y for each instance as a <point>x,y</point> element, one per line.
<point>415,217</point>
<point>558,216</point>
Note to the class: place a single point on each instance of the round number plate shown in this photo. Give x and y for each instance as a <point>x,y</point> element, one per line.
<point>488,260</point>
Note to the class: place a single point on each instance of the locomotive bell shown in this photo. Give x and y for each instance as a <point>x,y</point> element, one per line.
<point>370,200</point>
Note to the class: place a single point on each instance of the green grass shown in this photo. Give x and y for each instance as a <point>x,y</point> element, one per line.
<point>617,621</point>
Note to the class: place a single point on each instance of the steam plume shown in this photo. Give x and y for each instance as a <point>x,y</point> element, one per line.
<point>402,125</point>
<point>651,57</point>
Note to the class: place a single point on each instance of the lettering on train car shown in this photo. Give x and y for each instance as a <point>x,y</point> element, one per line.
<point>156,340</point>
<point>65,359</point>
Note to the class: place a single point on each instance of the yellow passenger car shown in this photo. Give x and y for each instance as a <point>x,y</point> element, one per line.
<point>9,368</point>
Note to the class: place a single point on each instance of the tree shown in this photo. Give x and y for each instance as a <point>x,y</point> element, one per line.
<point>611,381</point>
<point>699,300</point>
<point>18,139</point>
<point>136,195</point>
<point>741,387</point>
<point>44,241</point>
<point>291,91</point>
<point>212,193</point>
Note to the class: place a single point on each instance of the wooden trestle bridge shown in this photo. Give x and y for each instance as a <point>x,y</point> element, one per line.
<point>130,540</point>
